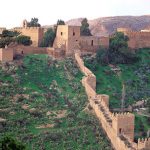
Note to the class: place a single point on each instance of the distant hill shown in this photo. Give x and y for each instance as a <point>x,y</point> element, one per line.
<point>107,25</point>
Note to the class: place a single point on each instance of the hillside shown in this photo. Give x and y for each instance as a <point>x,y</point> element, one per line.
<point>136,81</point>
<point>107,25</point>
<point>42,103</point>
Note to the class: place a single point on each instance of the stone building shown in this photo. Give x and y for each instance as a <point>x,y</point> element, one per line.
<point>35,33</point>
<point>69,39</point>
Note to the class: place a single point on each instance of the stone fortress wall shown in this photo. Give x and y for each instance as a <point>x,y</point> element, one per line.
<point>9,53</point>
<point>119,127</point>
<point>67,41</point>
<point>137,39</point>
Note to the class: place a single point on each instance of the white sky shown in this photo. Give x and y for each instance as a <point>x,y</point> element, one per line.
<point>12,12</point>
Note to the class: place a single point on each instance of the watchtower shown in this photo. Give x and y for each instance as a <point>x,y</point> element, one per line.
<point>123,124</point>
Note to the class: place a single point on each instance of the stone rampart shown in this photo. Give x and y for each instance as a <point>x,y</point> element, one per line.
<point>8,54</point>
<point>119,127</point>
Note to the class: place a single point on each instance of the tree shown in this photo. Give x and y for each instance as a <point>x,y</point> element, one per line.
<point>119,42</point>
<point>60,22</point>
<point>48,38</point>
<point>25,40</point>
<point>7,33</point>
<point>101,56</point>
<point>7,37</point>
<point>34,23</point>
<point>6,41</point>
<point>8,143</point>
<point>118,50</point>
<point>85,31</point>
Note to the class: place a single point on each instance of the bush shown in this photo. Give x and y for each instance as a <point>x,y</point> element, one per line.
<point>8,143</point>
<point>48,38</point>
<point>102,56</point>
<point>25,40</point>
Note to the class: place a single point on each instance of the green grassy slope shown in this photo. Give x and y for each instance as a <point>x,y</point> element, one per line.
<point>41,91</point>
<point>137,84</point>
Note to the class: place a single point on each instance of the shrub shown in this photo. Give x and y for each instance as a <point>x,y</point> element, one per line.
<point>25,40</point>
<point>8,143</point>
<point>102,56</point>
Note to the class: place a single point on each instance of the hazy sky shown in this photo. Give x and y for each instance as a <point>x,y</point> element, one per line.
<point>12,12</point>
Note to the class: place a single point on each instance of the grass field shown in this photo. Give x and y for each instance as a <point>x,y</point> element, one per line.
<point>42,104</point>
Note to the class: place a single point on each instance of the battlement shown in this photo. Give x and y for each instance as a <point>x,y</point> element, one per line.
<point>122,114</point>
<point>144,144</point>
<point>143,140</point>
<point>119,127</point>
<point>28,28</point>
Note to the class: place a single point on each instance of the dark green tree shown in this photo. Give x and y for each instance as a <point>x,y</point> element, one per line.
<point>7,37</point>
<point>118,52</point>
<point>102,56</point>
<point>24,40</point>
<point>7,33</point>
<point>6,41</point>
<point>9,143</point>
<point>60,22</point>
<point>118,49</point>
<point>48,38</point>
<point>119,43</point>
<point>85,31</point>
<point>34,23</point>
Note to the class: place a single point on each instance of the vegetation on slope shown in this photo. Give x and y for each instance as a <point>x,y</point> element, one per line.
<point>137,84</point>
<point>42,104</point>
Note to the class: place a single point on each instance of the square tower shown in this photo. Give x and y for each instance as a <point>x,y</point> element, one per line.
<point>123,124</point>
<point>68,36</point>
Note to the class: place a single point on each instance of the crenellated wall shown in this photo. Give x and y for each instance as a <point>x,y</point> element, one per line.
<point>119,127</point>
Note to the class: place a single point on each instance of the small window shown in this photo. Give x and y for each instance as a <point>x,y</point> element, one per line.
<point>76,40</point>
<point>92,43</point>
<point>120,131</point>
<point>73,33</point>
<point>61,33</point>
<point>22,52</point>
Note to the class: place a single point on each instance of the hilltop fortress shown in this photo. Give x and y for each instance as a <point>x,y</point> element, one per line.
<point>68,39</point>
<point>118,127</point>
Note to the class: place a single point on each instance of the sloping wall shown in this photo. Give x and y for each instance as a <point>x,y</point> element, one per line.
<point>118,127</point>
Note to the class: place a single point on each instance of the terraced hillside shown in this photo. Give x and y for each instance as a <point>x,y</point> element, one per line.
<point>43,105</point>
